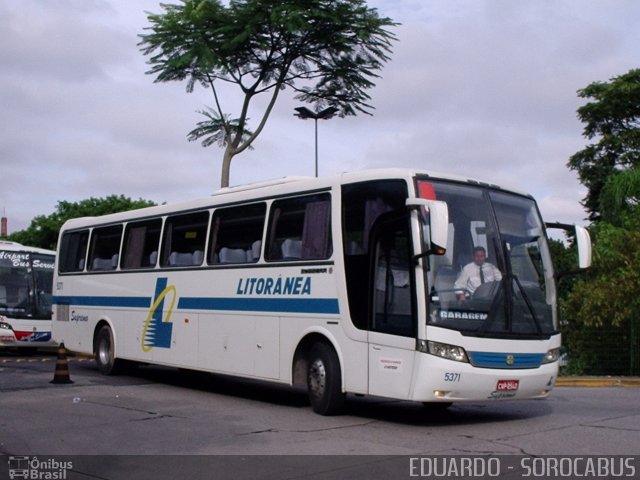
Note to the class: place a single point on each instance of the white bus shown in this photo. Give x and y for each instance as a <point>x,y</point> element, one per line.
<point>342,284</point>
<point>26,279</point>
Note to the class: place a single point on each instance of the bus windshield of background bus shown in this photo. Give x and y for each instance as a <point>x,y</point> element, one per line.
<point>496,276</point>
<point>25,284</point>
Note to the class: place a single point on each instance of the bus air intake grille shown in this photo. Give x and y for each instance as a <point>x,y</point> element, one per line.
<point>505,360</point>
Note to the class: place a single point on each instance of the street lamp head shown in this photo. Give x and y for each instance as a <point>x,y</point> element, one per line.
<point>304,113</point>
<point>327,113</point>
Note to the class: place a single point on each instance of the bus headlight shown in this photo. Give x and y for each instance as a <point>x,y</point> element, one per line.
<point>551,356</point>
<point>443,350</point>
<point>5,325</point>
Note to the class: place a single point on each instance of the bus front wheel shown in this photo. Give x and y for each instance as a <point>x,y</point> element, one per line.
<point>324,380</point>
<point>104,351</point>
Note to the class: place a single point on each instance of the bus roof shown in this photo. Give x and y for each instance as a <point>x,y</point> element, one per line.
<point>278,186</point>
<point>18,247</point>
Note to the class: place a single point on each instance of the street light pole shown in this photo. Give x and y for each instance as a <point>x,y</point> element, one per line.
<point>316,127</point>
<point>304,113</point>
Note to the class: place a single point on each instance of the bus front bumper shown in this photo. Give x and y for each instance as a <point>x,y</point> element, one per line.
<point>441,380</point>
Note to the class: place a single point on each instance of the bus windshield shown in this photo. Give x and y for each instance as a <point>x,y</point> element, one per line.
<point>496,277</point>
<point>26,281</point>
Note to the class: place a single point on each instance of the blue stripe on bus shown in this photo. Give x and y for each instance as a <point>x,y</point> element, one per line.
<point>287,305</point>
<point>272,305</point>
<point>499,360</point>
<point>93,301</point>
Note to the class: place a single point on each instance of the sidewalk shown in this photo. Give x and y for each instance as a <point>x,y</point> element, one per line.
<point>570,381</point>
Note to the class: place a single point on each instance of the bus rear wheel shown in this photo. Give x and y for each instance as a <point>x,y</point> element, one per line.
<point>104,351</point>
<point>324,380</point>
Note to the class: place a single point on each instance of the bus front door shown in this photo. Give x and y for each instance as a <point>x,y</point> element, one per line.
<point>392,327</point>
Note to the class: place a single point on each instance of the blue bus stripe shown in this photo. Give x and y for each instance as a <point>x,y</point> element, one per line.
<point>94,301</point>
<point>271,305</point>
<point>288,305</point>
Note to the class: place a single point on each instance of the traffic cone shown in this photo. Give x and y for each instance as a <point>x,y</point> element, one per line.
<point>61,374</point>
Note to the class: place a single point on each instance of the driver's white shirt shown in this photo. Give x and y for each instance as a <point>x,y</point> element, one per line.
<point>469,278</point>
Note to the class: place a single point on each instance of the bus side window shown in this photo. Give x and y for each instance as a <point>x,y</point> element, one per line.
<point>236,234</point>
<point>105,248</point>
<point>184,239</point>
<point>300,228</point>
<point>73,251</point>
<point>141,243</point>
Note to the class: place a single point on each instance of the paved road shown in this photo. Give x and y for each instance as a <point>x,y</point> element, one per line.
<point>157,411</point>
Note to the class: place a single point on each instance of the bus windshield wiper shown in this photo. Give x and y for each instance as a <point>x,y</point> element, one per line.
<point>493,308</point>
<point>527,301</point>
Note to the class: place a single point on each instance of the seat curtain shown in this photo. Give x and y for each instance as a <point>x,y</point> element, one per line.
<point>315,234</point>
<point>373,208</point>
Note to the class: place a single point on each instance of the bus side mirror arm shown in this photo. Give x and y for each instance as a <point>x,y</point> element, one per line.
<point>438,224</point>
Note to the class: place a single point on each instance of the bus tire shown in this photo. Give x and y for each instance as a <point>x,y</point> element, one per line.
<point>104,351</point>
<point>324,380</point>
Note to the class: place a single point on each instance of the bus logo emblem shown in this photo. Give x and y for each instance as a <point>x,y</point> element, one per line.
<point>509,360</point>
<point>157,328</point>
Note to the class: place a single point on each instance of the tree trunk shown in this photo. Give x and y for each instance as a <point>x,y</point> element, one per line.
<point>226,166</point>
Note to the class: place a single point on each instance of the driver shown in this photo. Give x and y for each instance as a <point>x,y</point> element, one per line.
<point>475,274</point>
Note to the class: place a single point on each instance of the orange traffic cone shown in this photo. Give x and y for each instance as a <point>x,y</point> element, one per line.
<point>61,374</point>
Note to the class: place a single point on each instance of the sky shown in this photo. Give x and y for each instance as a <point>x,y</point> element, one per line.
<point>486,89</point>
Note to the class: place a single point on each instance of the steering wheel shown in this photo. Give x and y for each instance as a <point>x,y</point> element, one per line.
<point>486,291</point>
<point>464,291</point>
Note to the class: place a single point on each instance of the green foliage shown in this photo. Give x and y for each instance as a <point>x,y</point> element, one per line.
<point>326,51</point>
<point>613,119</point>
<point>609,295</point>
<point>603,350</point>
<point>602,311</point>
<point>620,195</point>
<point>212,129</point>
<point>266,44</point>
<point>565,260</point>
<point>44,229</point>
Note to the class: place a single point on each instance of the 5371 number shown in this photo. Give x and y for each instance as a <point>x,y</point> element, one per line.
<point>452,377</point>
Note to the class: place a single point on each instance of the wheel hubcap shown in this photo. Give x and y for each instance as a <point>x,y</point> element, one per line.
<point>103,352</point>
<point>317,378</point>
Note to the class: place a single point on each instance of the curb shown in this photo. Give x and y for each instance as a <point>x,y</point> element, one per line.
<point>598,382</point>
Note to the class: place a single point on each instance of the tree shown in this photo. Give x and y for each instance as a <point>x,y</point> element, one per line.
<point>603,309</point>
<point>613,118</point>
<point>620,195</point>
<point>326,51</point>
<point>44,229</point>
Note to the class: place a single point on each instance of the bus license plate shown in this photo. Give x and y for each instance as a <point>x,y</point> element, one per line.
<point>507,385</point>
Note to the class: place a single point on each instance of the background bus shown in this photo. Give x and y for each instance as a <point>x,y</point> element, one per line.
<point>343,284</point>
<point>26,279</point>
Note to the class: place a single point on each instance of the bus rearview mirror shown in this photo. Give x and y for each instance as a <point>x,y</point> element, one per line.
<point>583,240</point>
<point>438,222</point>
